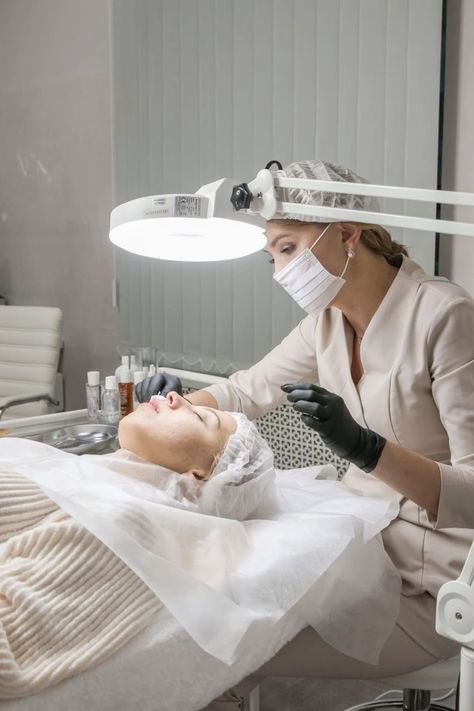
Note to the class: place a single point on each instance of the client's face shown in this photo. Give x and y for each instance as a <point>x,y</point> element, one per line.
<point>177,435</point>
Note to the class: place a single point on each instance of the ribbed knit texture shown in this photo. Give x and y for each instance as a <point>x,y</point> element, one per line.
<point>66,601</point>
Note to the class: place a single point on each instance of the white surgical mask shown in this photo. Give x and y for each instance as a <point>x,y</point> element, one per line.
<point>308,282</point>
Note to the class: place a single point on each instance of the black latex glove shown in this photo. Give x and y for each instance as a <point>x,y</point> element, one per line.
<point>159,384</point>
<point>328,415</point>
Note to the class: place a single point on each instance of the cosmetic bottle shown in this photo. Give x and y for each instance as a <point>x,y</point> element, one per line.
<point>93,395</point>
<point>138,376</point>
<point>110,401</point>
<point>124,364</point>
<point>133,364</point>
<point>125,386</point>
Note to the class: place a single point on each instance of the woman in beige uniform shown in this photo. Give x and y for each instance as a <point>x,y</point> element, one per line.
<point>392,352</point>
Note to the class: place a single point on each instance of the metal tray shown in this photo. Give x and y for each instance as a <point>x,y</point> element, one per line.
<point>79,439</point>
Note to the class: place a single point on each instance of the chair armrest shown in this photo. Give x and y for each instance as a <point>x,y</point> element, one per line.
<point>12,400</point>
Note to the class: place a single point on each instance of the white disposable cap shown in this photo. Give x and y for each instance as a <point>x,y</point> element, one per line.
<point>111,382</point>
<point>125,375</point>
<point>93,377</point>
<point>138,376</point>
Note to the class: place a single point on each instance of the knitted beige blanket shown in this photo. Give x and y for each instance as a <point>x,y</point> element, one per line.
<point>66,601</point>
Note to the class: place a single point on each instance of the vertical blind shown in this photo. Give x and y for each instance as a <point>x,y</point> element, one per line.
<point>204,89</point>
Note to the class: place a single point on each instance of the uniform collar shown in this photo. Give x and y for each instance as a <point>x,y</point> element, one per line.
<point>382,336</point>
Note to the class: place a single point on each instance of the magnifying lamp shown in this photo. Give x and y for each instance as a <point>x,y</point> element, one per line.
<point>198,227</point>
<point>225,220</point>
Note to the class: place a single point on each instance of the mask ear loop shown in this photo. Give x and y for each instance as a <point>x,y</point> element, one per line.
<point>321,235</point>
<point>350,252</point>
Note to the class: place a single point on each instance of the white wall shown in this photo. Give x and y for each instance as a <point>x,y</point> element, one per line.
<point>457,253</point>
<point>55,173</point>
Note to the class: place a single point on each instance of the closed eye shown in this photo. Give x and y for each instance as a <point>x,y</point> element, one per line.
<point>195,411</point>
<point>208,409</point>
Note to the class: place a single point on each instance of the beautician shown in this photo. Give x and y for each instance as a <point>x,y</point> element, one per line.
<point>382,367</point>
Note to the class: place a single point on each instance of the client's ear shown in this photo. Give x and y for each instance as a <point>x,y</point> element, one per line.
<point>198,473</point>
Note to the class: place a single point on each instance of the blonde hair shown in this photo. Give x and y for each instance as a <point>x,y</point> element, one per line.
<point>374,237</point>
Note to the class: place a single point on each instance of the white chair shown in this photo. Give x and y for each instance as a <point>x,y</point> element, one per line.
<point>30,350</point>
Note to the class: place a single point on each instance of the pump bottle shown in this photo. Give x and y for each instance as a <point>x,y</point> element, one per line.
<point>110,401</point>
<point>93,395</point>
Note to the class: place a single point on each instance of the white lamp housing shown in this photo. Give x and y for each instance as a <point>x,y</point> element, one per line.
<point>196,227</point>
<point>225,220</point>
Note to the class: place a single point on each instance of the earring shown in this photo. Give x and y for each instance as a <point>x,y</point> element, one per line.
<point>350,253</point>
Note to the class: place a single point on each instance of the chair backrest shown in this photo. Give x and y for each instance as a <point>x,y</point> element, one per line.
<point>30,344</point>
<point>294,444</point>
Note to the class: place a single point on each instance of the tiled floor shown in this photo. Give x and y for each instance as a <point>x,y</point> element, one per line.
<point>285,694</point>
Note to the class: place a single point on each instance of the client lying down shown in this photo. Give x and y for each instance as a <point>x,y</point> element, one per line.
<point>190,516</point>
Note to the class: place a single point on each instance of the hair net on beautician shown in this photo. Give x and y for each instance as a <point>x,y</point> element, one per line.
<point>243,475</point>
<point>320,170</point>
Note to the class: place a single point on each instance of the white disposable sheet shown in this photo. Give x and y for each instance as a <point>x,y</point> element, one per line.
<point>311,549</point>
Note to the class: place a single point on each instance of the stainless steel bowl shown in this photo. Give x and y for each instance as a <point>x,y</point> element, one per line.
<point>79,439</point>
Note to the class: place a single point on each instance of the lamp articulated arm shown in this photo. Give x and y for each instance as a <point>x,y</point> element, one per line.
<point>262,196</point>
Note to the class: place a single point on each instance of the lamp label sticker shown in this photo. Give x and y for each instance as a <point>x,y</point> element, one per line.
<point>177,206</point>
<point>188,206</point>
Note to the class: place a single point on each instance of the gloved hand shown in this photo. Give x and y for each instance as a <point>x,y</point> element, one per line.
<point>328,415</point>
<point>159,384</point>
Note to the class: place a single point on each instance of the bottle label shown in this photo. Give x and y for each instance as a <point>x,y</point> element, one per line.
<point>126,399</point>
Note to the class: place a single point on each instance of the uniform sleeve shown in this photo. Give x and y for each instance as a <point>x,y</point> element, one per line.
<point>257,390</point>
<point>451,343</point>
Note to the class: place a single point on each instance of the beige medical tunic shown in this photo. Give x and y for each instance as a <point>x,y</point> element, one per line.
<point>417,389</point>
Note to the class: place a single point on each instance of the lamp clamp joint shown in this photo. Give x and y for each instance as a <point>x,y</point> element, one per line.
<point>241,196</point>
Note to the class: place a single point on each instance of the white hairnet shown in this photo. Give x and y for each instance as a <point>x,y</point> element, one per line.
<point>242,476</point>
<point>320,170</point>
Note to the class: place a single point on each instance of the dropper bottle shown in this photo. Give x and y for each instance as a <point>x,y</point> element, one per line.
<point>125,387</point>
